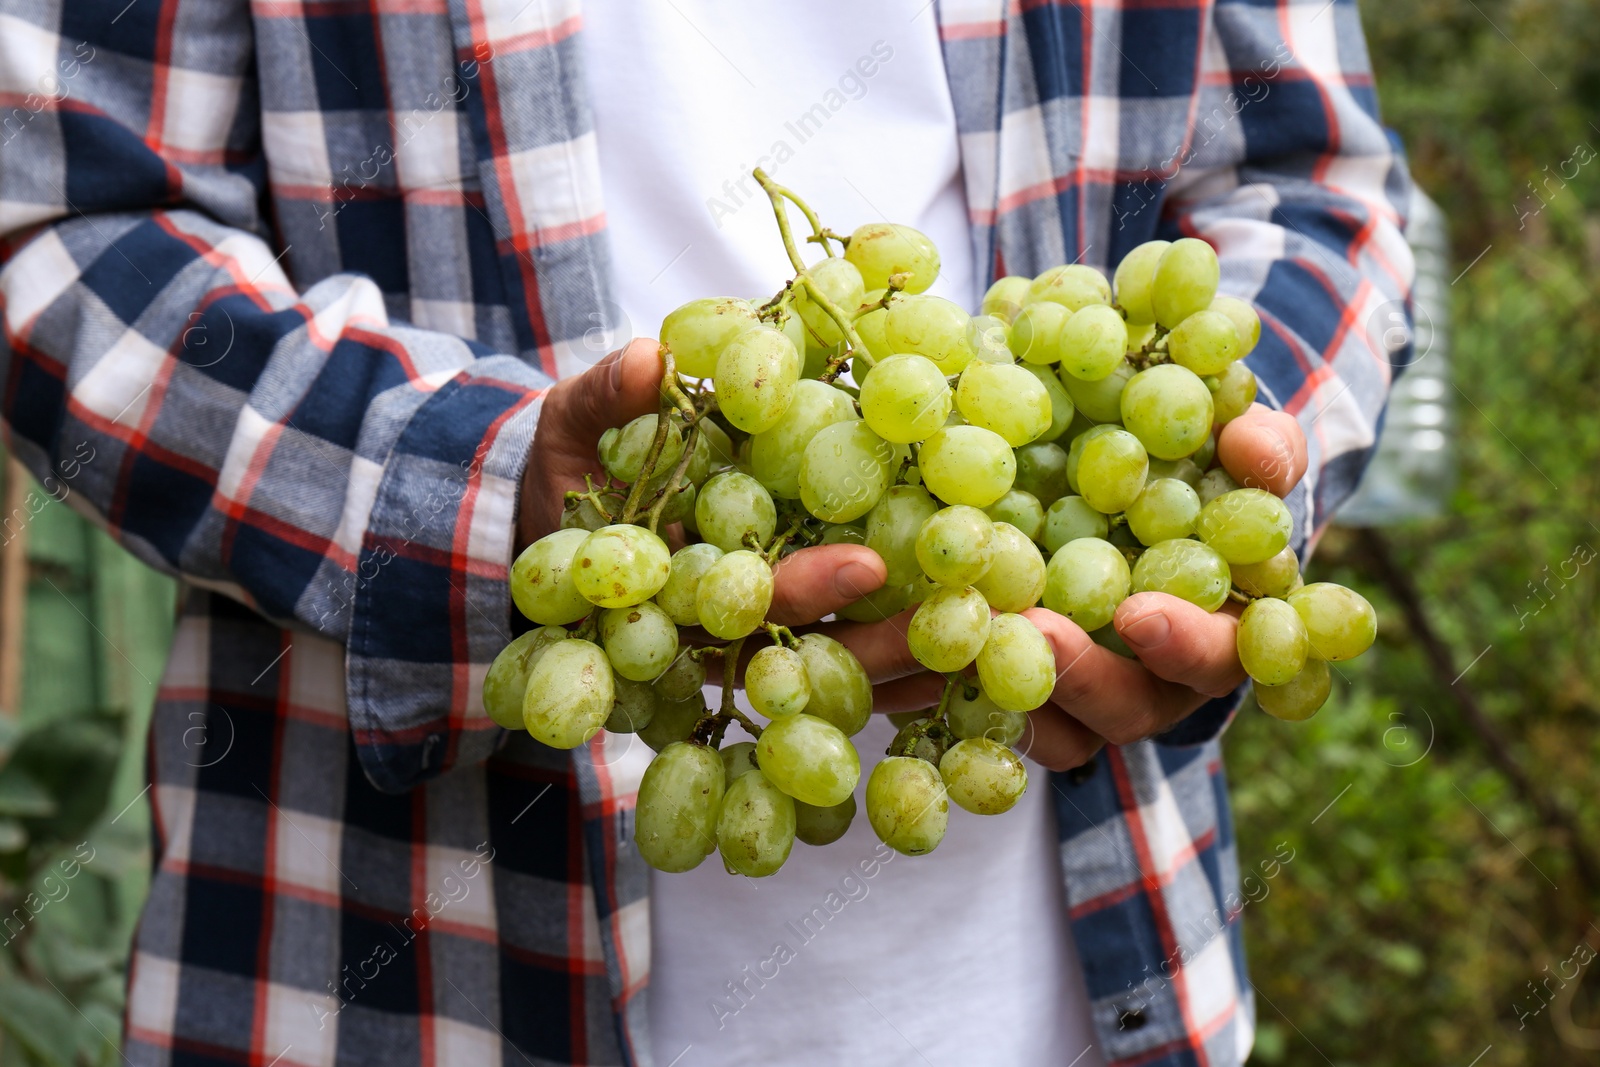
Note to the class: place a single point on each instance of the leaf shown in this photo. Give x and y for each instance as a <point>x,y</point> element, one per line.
<point>21,793</point>
<point>40,1021</point>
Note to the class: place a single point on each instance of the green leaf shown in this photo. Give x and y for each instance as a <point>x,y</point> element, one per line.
<point>13,836</point>
<point>39,1020</point>
<point>21,794</point>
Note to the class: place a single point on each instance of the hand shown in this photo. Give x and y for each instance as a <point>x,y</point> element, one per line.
<point>810,584</point>
<point>1186,655</point>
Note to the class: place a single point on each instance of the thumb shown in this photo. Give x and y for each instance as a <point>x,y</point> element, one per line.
<point>621,387</point>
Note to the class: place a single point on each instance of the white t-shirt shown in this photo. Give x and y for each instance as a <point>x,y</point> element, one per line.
<point>851,953</point>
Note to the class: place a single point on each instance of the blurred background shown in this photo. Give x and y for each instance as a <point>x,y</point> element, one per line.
<point>1441,812</point>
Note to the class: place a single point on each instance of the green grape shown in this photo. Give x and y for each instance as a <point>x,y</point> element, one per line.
<point>1206,453</point>
<point>583,515</point>
<point>989,339</point>
<point>1186,470</point>
<point>620,566</point>
<point>675,822</point>
<point>542,584</point>
<point>1004,299</point>
<point>1272,641</point>
<point>1042,471</point>
<point>949,629</point>
<point>734,594</point>
<point>871,327</point>
<point>1188,570</point>
<point>713,451</point>
<point>841,692</point>
<point>1300,697</point>
<point>738,758</point>
<point>1101,400</point>
<point>841,283</point>
<point>1070,518</point>
<point>1005,398</point>
<point>953,547</point>
<point>1246,323</point>
<point>1215,483</point>
<point>1075,450</point>
<point>845,470</point>
<point>755,826</point>
<point>1021,510</point>
<point>1274,577</point>
<point>1235,392</point>
<point>684,679</point>
<point>902,719</point>
<point>983,777</point>
<point>624,451</point>
<point>906,805</point>
<point>1134,278</point>
<point>698,331</point>
<point>1086,580</point>
<point>967,465</point>
<point>1073,286</point>
<point>1205,342</point>
<point>823,826</point>
<point>1246,525</point>
<point>1168,409</point>
<point>1184,282</point>
<point>775,453</point>
<point>882,249</point>
<point>506,682</point>
<point>673,721</point>
<point>814,361</point>
<point>640,641</point>
<point>843,534</point>
<point>905,398</point>
<point>633,709</point>
<point>930,326</point>
<point>1017,666</point>
<point>1061,406</point>
<point>1166,509</point>
<point>570,693</point>
<point>677,597</point>
<point>756,377</point>
<point>1036,332</point>
<point>1093,342</point>
<point>1111,471</point>
<point>810,759</point>
<point>1015,579</point>
<point>892,527</point>
<point>1139,336</point>
<point>680,506</point>
<point>978,716</point>
<point>1339,622</point>
<point>732,507</point>
<point>879,604</point>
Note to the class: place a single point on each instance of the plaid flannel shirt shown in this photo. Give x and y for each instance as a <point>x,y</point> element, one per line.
<point>283,282</point>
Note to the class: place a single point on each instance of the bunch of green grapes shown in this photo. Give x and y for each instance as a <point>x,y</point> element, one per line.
<point>1051,450</point>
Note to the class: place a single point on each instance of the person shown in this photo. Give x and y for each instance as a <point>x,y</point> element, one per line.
<point>303,276</point>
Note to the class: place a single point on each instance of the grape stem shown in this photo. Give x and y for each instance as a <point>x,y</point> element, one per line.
<point>630,510</point>
<point>781,635</point>
<point>672,389</point>
<point>674,484</point>
<point>1239,597</point>
<point>855,349</point>
<point>1154,350</point>
<point>950,684</point>
<point>775,549</point>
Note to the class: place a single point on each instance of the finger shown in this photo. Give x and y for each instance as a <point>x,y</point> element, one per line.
<point>1264,449</point>
<point>818,581</point>
<point>919,692</point>
<point>880,647</point>
<point>1181,642</point>
<point>618,389</point>
<point>1056,740</point>
<point>1115,697</point>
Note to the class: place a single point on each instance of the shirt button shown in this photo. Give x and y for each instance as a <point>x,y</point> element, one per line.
<point>1132,1019</point>
<point>1079,775</point>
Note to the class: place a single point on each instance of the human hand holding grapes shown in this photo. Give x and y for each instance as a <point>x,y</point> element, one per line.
<point>1034,525</point>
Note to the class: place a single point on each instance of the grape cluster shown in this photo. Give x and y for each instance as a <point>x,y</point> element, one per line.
<point>1053,449</point>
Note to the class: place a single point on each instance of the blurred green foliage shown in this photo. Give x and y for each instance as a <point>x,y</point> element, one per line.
<point>1429,913</point>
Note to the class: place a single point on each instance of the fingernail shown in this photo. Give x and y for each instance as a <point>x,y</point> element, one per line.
<point>855,580</point>
<point>1148,631</point>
